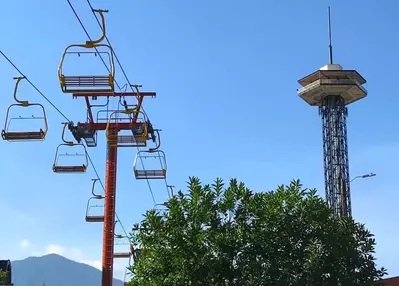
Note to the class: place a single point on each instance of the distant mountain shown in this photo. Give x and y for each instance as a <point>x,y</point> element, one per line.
<point>55,270</point>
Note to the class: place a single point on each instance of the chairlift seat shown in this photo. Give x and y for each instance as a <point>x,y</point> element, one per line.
<point>122,254</point>
<point>96,83</point>
<point>69,169</point>
<point>150,174</point>
<point>138,136</point>
<point>16,136</point>
<point>95,218</point>
<point>86,83</point>
<point>138,140</point>
<point>10,135</point>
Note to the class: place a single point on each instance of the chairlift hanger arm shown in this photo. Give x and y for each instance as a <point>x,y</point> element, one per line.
<point>93,187</point>
<point>139,101</point>
<point>22,102</point>
<point>158,142</point>
<point>89,112</point>
<point>70,143</point>
<point>93,43</point>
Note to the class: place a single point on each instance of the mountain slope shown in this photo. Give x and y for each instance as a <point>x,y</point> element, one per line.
<point>55,270</point>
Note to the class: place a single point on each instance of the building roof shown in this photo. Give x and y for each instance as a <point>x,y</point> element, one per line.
<point>391,281</point>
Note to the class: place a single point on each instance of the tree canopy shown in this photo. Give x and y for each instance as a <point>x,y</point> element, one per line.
<point>3,277</point>
<point>212,235</point>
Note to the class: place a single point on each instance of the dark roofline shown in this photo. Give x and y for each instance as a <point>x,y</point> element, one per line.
<point>395,278</point>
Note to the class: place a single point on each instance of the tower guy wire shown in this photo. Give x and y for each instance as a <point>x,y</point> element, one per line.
<point>34,86</point>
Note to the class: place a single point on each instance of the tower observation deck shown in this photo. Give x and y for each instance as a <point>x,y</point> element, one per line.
<point>332,88</point>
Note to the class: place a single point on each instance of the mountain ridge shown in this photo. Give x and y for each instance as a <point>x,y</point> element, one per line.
<point>55,270</point>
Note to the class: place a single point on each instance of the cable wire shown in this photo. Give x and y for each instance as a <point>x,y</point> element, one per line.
<point>127,79</point>
<point>63,115</point>
<point>34,86</point>
<point>102,185</point>
<point>88,35</point>
<point>131,87</point>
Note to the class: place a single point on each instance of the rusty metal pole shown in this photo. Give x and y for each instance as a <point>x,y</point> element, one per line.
<point>109,216</point>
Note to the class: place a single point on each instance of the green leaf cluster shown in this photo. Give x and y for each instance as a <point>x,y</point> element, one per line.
<point>3,277</point>
<point>217,235</point>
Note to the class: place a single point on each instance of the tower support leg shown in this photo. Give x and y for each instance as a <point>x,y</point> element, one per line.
<point>109,216</point>
<point>335,146</point>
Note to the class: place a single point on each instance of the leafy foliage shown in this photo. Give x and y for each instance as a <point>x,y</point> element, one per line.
<point>231,236</point>
<point>3,277</point>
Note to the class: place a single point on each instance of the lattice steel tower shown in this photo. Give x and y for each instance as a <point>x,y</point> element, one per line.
<point>332,88</point>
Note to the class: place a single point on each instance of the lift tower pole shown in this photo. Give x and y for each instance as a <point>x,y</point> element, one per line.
<point>130,120</point>
<point>109,213</point>
<point>332,88</point>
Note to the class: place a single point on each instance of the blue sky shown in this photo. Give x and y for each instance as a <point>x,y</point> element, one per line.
<point>225,73</point>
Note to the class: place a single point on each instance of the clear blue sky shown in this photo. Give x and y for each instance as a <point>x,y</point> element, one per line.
<point>226,76</point>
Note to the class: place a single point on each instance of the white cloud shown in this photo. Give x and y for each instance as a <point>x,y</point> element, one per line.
<point>24,243</point>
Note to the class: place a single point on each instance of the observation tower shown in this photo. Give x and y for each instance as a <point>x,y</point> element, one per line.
<point>332,88</point>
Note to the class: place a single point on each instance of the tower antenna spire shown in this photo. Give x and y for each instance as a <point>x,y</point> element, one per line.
<point>329,35</point>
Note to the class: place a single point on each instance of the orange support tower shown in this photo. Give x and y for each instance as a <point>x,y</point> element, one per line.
<point>130,121</point>
<point>87,131</point>
<point>109,214</point>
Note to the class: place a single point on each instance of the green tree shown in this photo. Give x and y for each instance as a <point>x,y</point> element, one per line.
<point>231,236</point>
<point>3,277</point>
